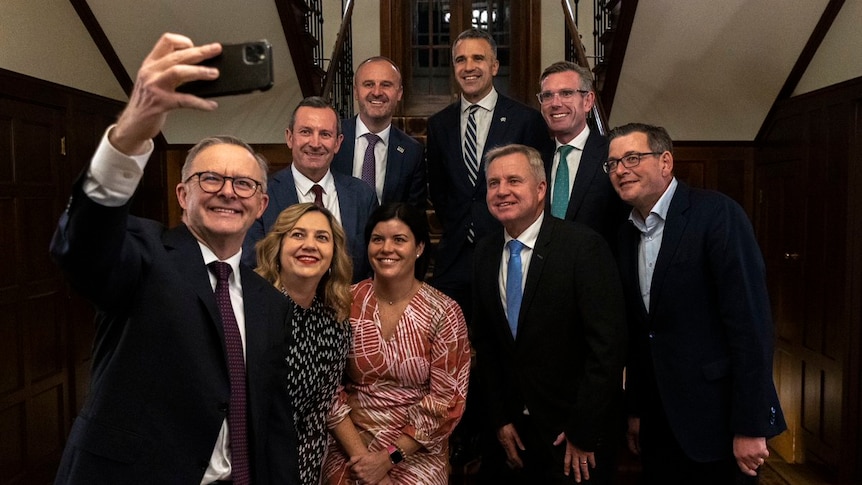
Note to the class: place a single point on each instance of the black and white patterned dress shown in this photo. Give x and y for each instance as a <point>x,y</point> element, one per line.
<point>315,361</point>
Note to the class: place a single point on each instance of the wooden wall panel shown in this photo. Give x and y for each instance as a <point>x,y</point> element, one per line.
<point>808,173</point>
<point>47,135</point>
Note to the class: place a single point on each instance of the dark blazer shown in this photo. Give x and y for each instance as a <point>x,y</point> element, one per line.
<point>159,387</point>
<point>356,201</point>
<point>705,347</point>
<point>457,203</point>
<point>566,364</point>
<point>593,200</point>
<point>406,179</point>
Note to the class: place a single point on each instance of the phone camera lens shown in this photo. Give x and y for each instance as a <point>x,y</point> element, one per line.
<point>255,53</point>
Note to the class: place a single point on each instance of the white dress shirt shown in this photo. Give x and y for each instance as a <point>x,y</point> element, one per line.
<point>380,154</point>
<point>303,186</point>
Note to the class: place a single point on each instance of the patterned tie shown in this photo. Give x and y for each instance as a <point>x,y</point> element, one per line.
<point>368,168</point>
<point>514,292</point>
<point>471,157</point>
<point>318,195</point>
<point>560,197</point>
<point>237,421</point>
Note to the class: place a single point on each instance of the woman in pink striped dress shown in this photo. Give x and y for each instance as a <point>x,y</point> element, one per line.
<point>407,368</point>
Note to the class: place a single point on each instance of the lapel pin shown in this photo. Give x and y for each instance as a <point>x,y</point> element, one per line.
<point>503,119</point>
<point>400,149</point>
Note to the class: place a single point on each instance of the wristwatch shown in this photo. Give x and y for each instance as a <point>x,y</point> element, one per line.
<point>396,454</point>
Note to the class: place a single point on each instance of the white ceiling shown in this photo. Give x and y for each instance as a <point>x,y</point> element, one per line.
<point>705,69</point>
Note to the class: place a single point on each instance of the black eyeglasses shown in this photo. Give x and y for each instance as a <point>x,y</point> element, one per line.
<point>564,94</point>
<point>211,183</point>
<point>629,161</point>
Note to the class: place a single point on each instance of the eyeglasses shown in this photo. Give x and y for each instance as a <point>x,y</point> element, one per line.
<point>629,161</point>
<point>564,94</point>
<point>211,183</point>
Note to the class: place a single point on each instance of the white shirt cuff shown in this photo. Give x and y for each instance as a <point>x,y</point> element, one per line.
<point>113,176</point>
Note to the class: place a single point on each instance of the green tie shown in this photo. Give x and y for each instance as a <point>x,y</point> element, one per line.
<point>560,196</point>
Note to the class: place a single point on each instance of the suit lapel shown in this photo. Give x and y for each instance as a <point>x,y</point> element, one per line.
<point>394,162</point>
<point>629,267</point>
<point>675,225</point>
<point>185,254</point>
<point>537,265</point>
<point>347,205</point>
<point>588,169</point>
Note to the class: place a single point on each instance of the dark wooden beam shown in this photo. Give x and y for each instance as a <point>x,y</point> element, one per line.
<point>804,60</point>
<point>91,23</point>
<point>292,16</point>
<point>618,54</point>
<point>103,44</point>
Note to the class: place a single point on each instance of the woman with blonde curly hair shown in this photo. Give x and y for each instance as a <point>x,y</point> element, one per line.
<point>305,256</point>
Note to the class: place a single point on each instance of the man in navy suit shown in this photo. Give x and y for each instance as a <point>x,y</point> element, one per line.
<point>456,180</point>
<point>395,166</point>
<point>177,378</point>
<point>457,191</point>
<point>314,136</point>
<point>699,378</point>
<point>549,334</point>
<point>578,189</point>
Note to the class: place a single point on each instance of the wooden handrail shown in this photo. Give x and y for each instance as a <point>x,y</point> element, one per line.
<point>337,51</point>
<point>598,111</point>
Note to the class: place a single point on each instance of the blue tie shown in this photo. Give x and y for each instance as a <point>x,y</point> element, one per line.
<point>560,196</point>
<point>514,292</point>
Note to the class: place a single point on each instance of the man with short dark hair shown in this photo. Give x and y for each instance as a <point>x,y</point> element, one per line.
<point>458,138</point>
<point>578,189</point>
<point>699,380</point>
<point>387,159</point>
<point>314,137</point>
<point>188,369</point>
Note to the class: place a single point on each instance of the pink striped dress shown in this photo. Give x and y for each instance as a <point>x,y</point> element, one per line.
<point>414,383</point>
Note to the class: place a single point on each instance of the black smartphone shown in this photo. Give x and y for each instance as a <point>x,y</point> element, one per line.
<point>243,68</point>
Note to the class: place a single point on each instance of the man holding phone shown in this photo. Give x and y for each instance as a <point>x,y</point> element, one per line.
<point>188,364</point>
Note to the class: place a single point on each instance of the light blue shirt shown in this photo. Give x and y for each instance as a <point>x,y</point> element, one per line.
<point>652,231</point>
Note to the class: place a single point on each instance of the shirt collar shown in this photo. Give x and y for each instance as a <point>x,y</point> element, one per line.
<point>488,102</point>
<point>210,256</point>
<point>361,130</point>
<point>304,184</point>
<point>579,141</point>
<point>530,234</point>
<point>659,209</point>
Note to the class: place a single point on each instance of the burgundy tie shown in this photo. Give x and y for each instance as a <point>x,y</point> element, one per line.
<point>318,195</point>
<point>237,421</point>
<point>368,163</point>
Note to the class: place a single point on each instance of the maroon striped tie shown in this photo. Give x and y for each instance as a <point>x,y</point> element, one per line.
<point>237,421</point>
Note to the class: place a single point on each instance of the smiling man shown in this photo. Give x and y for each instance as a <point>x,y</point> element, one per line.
<point>579,190</point>
<point>189,355</point>
<point>458,138</point>
<point>314,137</point>
<point>549,333</point>
<point>699,383</point>
<point>387,159</point>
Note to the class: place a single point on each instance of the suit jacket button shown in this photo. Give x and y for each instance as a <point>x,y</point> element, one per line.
<point>223,407</point>
<point>652,335</point>
<point>772,415</point>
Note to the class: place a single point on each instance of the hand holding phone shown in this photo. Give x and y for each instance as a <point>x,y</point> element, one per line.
<point>243,68</point>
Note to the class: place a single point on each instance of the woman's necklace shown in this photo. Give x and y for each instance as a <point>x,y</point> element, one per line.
<point>395,300</point>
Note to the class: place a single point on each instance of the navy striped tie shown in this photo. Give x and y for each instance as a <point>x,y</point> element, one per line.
<point>471,157</point>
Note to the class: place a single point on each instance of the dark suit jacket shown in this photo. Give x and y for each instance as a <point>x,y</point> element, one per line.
<point>159,387</point>
<point>593,200</point>
<point>356,201</point>
<point>705,347</point>
<point>566,364</point>
<point>457,203</point>
<point>406,179</point>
